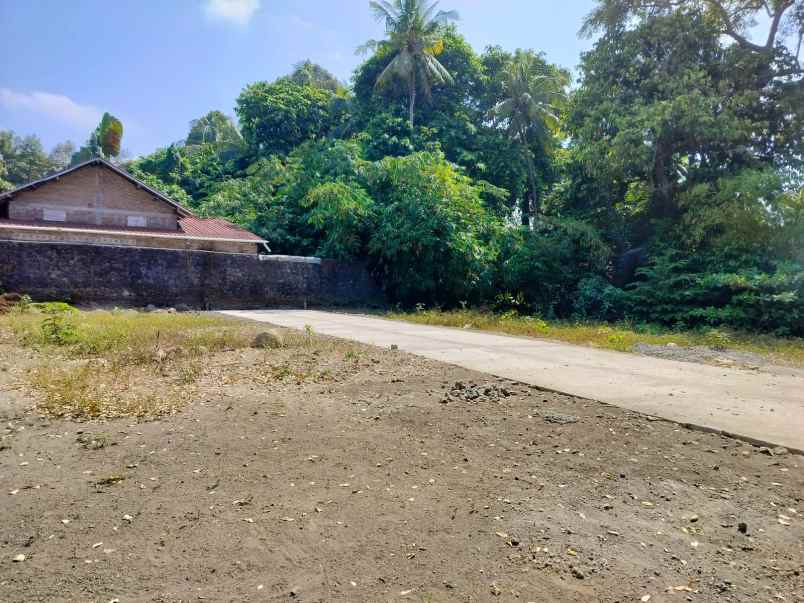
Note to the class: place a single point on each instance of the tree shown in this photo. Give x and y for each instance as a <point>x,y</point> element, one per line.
<point>110,135</point>
<point>104,141</point>
<point>214,128</point>
<point>277,117</point>
<point>433,239</point>
<point>414,39</point>
<point>61,155</point>
<point>168,164</point>
<point>731,18</point>
<point>5,185</point>
<point>307,73</point>
<point>24,158</point>
<point>533,98</point>
<point>665,106</point>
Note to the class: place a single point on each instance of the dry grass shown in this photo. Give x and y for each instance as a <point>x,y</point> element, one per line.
<point>130,337</point>
<point>120,362</point>
<point>621,337</point>
<point>102,364</point>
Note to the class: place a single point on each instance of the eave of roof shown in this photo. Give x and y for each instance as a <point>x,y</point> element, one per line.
<point>86,229</point>
<point>215,227</point>
<point>182,211</point>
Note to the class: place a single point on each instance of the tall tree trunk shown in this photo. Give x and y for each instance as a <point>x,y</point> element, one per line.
<point>412,99</point>
<point>663,202</point>
<point>529,202</point>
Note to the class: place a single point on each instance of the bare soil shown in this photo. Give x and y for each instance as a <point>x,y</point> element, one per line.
<point>372,475</point>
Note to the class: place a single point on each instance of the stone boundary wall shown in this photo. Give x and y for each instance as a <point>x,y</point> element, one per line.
<point>126,276</point>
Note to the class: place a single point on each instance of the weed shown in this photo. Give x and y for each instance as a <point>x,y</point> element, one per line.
<point>616,336</point>
<point>717,339</point>
<point>58,327</point>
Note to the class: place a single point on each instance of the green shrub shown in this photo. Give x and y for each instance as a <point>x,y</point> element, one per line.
<point>432,242</point>
<point>706,291</point>
<point>58,327</point>
<point>546,266</point>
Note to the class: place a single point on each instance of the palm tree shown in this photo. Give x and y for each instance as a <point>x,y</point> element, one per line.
<point>413,28</point>
<point>534,94</point>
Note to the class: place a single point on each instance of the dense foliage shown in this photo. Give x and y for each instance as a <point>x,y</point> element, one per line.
<point>665,186</point>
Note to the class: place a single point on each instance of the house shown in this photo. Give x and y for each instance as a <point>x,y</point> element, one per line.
<point>96,202</point>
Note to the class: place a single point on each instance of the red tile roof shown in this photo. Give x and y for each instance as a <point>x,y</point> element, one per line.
<point>215,228</point>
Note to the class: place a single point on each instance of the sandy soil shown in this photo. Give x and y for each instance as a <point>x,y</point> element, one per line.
<point>379,476</point>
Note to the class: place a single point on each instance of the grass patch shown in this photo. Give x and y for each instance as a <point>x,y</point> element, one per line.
<point>103,364</point>
<point>621,337</point>
<point>125,336</point>
<point>118,363</point>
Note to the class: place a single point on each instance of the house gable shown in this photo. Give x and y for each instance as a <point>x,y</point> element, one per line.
<point>94,193</point>
<point>98,203</point>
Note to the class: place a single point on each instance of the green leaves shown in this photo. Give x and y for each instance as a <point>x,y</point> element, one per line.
<point>110,135</point>
<point>433,238</point>
<point>340,211</point>
<point>414,39</point>
<point>275,118</point>
<point>22,159</point>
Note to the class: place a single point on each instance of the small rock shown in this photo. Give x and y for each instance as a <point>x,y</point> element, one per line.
<point>742,527</point>
<point>780,451</point>
<point>268,340</point>
<point>18,558</point>
<point>693,518</point>
<point>560,419</point>
<point>128,518</point>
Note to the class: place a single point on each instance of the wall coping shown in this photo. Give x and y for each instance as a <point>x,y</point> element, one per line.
<point>130,247</point>
<point>299,259</point>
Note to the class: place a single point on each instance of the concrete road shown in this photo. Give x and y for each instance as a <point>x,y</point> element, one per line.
<point>765,407</point>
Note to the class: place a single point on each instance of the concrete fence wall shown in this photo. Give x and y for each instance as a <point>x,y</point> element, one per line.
<point>128,276</point>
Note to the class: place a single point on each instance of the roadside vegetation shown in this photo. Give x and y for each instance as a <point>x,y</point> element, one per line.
<point>101,364</point>
<point>663,186</point>
<point>621,336</point>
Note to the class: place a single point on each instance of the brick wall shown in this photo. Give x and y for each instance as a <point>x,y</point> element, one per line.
<point>93,195</point>
<point>129,276</point>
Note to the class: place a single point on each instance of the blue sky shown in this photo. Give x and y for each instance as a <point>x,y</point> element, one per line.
<point>157,64</point>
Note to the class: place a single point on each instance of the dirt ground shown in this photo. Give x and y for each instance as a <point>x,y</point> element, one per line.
<point>372,475</point>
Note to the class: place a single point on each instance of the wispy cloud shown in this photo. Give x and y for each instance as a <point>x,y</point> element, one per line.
<point>55,106</point>
<point>238,12</point>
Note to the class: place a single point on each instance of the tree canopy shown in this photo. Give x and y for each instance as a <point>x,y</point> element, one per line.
<point>664,186</point>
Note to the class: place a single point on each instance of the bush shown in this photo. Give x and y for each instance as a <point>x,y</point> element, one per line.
<point>546,266</point>
<point>58,328</point>
<point>596,298</point>
<point>705,291</point>
<point>433,240</point>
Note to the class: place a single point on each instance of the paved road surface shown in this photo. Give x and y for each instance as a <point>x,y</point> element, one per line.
<point>768,407</point>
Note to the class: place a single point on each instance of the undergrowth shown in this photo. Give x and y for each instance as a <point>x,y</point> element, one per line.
<point>618,336</point>
<point>96,364</point>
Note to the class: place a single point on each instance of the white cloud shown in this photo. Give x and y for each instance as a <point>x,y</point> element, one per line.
<point>55,106</point>
<point>238,12</point>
